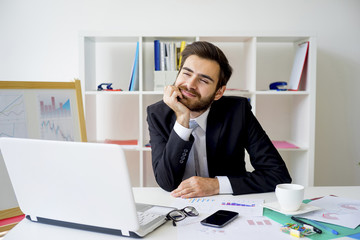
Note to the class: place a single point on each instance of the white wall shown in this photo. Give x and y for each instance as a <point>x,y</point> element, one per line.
<point>39,41</point>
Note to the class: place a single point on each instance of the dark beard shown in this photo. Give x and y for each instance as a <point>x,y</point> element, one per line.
<point>199,106</point>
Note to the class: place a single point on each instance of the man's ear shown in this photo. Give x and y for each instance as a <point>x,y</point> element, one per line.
<point>220,92</point>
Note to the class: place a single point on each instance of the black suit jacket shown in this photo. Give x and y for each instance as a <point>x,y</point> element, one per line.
<point>231,128</point>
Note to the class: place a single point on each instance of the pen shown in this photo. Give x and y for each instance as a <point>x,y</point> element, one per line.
<point>302,222</point>
<point>323,226</point>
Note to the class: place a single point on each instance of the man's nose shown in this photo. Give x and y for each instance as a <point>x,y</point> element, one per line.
<point>192,82</point>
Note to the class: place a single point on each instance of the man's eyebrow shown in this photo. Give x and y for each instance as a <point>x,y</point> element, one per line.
<point>202,75</point>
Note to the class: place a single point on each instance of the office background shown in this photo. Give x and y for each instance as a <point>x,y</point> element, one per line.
<point>39,40</point>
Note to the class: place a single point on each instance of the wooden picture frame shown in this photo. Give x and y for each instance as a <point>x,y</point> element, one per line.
<point>42,110</point>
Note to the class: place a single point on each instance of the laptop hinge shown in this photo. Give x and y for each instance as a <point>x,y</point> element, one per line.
<point>33,218</point>
<point>125,233</point>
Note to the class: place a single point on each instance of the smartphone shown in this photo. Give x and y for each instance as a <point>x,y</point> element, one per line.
<point>219,218</point>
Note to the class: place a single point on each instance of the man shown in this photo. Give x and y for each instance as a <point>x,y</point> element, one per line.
<point>209,158</point>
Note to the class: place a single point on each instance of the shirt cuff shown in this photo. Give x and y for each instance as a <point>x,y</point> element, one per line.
<point>224,185</point>
<point>183,132</point>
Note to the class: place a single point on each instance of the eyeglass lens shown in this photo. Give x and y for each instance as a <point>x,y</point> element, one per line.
<point>178,215</point>
<point>191,211</point>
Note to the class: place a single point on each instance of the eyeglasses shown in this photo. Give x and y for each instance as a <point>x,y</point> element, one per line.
<point>178,215</point>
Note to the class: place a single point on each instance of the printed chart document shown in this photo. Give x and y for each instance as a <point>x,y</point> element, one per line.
<point>209,205</point>
<point>13,114</point>
<point>336,210</point>
<point>244,227</point>
<point>250,224</point>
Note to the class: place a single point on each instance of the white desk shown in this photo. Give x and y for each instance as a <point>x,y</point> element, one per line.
<point>29,230</point>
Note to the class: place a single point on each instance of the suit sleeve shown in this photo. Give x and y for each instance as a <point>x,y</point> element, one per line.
<point>269,167</point>
<point>169,152</point>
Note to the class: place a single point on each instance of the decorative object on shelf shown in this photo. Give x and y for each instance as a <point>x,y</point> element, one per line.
<point>278,86</point>
<point>108,87</point>
<point>102,85</point>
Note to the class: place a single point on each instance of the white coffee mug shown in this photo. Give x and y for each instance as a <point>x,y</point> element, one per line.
<point>290,196</point>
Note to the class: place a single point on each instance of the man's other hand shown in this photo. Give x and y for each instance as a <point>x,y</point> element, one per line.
<point>197,187</point>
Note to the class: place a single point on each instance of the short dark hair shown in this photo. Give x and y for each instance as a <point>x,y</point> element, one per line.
<point>209,51</point>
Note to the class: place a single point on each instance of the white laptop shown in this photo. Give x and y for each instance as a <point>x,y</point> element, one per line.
<point>77,185</point>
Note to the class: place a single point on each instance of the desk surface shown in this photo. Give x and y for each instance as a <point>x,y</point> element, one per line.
<point>29,230</point>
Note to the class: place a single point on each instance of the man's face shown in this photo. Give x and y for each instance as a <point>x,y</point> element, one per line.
<point>197,82</point>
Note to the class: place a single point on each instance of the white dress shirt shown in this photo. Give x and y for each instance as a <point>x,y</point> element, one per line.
<point>200,145</point>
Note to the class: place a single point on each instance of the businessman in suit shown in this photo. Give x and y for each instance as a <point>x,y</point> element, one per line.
<point>208,158</point>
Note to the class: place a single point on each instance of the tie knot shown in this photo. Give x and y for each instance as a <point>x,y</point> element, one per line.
<point>193,124</point>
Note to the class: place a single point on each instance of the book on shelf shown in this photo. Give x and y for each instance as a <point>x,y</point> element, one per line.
<point>172,56</point>
<point>182,47</point>
<point>167,55</point>
<point>298,66</point>
<point>157,55</point>
<point>162,56</point>
<point>122,142</point>
<point>284,145</point>
<point>134,81</point>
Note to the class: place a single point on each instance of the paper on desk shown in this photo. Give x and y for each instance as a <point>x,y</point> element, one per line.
<point>244,227</point>
<point>336,210</point>
<point>245,207</point>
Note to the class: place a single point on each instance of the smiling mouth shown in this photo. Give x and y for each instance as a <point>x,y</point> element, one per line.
<point>188,93</point>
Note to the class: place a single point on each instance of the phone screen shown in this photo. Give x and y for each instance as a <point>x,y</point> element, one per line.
<point>219,218</point>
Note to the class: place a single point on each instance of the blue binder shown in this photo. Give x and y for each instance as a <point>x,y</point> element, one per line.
<point>157,55</point>
<point>134,83</point>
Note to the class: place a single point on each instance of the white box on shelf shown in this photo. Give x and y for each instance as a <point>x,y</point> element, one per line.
<point>164,78</point>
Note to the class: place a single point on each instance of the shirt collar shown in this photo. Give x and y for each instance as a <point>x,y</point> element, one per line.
<point>202,119</point>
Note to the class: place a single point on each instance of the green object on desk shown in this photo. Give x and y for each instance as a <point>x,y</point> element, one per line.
<point>283,219</point>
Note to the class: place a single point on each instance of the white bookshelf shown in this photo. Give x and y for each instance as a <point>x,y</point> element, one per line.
<point>257,60</point>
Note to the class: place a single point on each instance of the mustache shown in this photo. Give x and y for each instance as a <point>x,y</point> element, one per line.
<point>192,91</point>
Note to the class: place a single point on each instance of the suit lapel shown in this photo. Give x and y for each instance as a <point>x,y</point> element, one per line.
<point>213,130</point>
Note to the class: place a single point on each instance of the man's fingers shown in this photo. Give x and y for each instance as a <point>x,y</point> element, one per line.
<point>197,187</point>
<point>189,195</point>
<point>180,192</point>
<point>183,189</point>
<point>171,97</point>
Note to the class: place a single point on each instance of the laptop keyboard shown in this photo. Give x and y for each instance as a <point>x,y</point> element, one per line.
<point>146,217</point>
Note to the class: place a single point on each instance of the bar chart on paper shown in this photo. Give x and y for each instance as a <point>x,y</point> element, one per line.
<point>55,118</point>
<point>245,207</point>
<point>12,115</point>
<point>261,222</point>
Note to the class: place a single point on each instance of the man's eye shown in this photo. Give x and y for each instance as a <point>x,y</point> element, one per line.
<point>187,74</point>
<point>204,80</point>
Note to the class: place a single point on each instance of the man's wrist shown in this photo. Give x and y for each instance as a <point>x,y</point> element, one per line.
<point>183,132</point>
<point>224,185</point>
<point>183,119</point>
